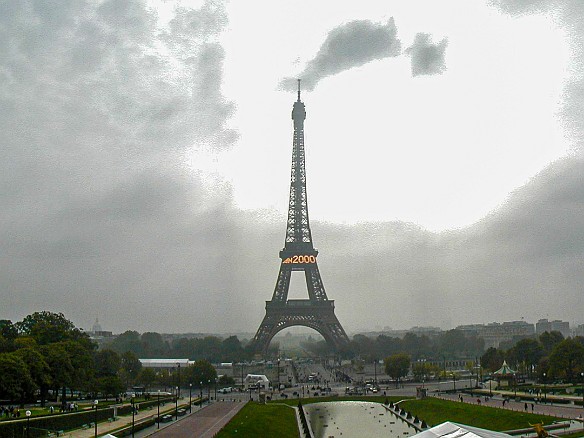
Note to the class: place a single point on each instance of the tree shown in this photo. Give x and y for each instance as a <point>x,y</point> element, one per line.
<point>492,359</point>
<point>127,341</point>
<point>153,345</point>
<point>526,353</point>
<point>549,340</point>
<point>8,333</point>
<point>397,366</point>
<point>61,369</point>
<point>38,370</point>
<point>110,385</point>
<point>131,365</point>
<point>47,328</point>
<point>231,349</point>
<point>147,377</point>
<point>566,359</point>
<point>200,371</point>
<point>424,370</point>
<point>14,377</point>
<point>107,363</point>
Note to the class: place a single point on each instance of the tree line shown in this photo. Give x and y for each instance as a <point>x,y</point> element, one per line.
<point>45,355</point>
<point>548,357</point>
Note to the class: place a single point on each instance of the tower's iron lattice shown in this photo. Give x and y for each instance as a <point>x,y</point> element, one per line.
<point>317,312</point>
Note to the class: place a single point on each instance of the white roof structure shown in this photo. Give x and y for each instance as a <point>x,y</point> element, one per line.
<point>455,430</point>
<point>165,363</point>
<point>257,377</point>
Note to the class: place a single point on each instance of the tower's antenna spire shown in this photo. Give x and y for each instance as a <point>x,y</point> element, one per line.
<point>298,90</point>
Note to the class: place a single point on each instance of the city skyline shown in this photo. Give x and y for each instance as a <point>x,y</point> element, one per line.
<point>147,160</point>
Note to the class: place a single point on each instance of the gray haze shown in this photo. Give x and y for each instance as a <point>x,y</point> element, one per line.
<point>100,217</point>
<point>427,58</point>
<point>350,45</point>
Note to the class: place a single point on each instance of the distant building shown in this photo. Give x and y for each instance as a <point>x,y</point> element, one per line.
<point>579,331</point>
<point>496,333</point>
<point>544,325</point>
<point>97,333</point>
<point>165,364</point>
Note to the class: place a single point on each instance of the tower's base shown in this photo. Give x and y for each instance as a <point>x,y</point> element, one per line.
<point>317,315</point>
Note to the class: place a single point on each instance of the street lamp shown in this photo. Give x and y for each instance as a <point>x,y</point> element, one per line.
<point>95,402</point>
<point>582,375</point>
<point>190,397</point>
<point>158,419</point>
<point>133,413</point>
<point>490,386</point>
<point>201,396</point>
<point>544,389</point>
<point>216,379</point>
<point>178,386</point>
<point>176,403</point>
<point>209,391</point>
<point>28,414</point>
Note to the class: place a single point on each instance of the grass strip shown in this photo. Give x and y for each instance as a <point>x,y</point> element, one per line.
<point>259,420</point>
<point>435,411</point>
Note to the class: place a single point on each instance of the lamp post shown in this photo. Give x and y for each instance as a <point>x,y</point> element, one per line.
<point>158,418</point>
<point>375,372</point>
<point>201,395</point>
<point>95,402</point>
<point>544,389</point>
<point>209,392</point>
<point>190,398</point>
<point>176,404</point>
<point>582,375</point>
<point>178,385</point>
<point>490,387</point>
<point>28,414</point>
<point>133,413</point>
<point>216,379</point>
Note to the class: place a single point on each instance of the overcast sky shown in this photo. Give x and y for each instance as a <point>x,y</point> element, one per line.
<point>146,151</point>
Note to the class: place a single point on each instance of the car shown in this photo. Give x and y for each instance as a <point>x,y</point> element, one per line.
<point>225,390</point>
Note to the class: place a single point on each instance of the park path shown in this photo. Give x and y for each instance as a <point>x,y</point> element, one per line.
<point>557,410</point>
<point>204,423</point>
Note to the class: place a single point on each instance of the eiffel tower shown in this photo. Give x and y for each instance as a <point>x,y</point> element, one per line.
<point>317,312</point>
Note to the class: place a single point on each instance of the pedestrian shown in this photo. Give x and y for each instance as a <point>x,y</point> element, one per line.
<point>503,402</point>
<point>478,401</point>
<point>532,406</point>
<point>525,407</point>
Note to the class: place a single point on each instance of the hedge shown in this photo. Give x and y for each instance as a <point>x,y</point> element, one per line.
<point>67,421</point>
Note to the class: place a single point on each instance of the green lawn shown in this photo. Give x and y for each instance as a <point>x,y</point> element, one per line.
<point>275,419</point>
<point>435,411</point>
<point>258,420</point>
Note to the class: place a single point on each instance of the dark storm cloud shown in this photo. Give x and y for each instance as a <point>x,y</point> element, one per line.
<point>427,58</point>
<point>98,108</point>
<point>101,218</point>
<point>350,45</point>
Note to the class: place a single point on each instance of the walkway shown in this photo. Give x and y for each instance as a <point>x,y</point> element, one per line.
<point>557,410</point>
<point>202,424</point>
